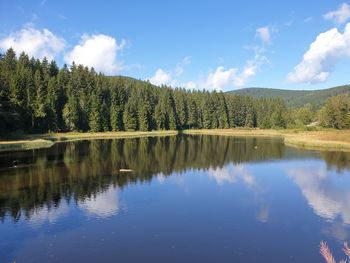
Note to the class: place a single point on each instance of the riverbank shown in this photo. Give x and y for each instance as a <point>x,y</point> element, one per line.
<point>36,141</point>
<point>327,139</point>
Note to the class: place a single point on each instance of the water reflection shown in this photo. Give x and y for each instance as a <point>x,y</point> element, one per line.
<point>82,170</point>
<point>232,174</point>
<point>338,160</point>
<point>263,214</point>
<point>87,172</point>
<point>102,205</point>
<point>195,197</point>
<point>49,215</point>
<point>239,173</point>
<point>337,230</point>
<point>324,193</point>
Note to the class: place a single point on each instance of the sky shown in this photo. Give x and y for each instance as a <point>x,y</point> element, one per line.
<point>213,45</point>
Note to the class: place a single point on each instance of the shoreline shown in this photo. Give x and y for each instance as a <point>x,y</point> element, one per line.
<point>326,140</point>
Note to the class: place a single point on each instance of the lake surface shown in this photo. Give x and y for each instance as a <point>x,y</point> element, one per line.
<point>187,199</point>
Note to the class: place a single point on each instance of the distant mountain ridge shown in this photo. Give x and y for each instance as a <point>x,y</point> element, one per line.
<point>294,98</point>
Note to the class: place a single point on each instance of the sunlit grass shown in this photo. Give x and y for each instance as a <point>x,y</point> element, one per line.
<point>25,144</point>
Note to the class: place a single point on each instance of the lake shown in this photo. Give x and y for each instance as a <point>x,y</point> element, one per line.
<point>186,199</point>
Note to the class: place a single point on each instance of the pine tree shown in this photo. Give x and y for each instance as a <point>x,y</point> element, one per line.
<point>130,117</point>
<point>171,110</point>
<point>52,103</point>
<point>193,115</point>
<point>8,69</point>
<point>144,117</point>
<point>105,118</point>
<point>181,108</point>
<point>95,120</point>
<point>145,110</point>
<point>117,105</point>
<point>223,121</point>
<point>114,115</point>
<point>161,117</point>
<point>208,112</point>
<point>9,118</point>
<point>71,114</point>
<point>62,83</point>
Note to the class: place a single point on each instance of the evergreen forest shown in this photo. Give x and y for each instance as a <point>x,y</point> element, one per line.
<point>36,96</point>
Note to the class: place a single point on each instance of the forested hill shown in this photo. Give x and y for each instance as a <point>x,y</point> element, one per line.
<point>36,96</point>
<point>295,98</point>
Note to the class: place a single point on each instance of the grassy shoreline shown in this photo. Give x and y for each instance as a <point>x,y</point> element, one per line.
<point>326,139</point>
<point>37,141</point>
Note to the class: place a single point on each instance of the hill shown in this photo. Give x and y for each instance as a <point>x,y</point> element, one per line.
<point>294,98</point>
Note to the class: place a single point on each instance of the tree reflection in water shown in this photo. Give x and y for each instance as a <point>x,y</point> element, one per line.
<point>79,171</point>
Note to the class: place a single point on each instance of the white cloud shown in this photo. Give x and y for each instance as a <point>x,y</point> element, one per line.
<point>161,78</point>
<point>35,42</point>
<point>221,78</point>
<point>98,51</point>
<point>339,16</point>
<point>324,53</point>
<point>264,34</point>
<point>191,85</point>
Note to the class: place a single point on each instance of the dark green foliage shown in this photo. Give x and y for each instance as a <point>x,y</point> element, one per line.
<point>95,116</point>
<point>71,114</point>
<point>193,116</point>
<point>130,117</point>
<point>145,109</point>
<point>118,98</point>
<point>37,96</point>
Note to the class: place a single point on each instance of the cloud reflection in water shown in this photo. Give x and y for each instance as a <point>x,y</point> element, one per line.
<point>102,205</point>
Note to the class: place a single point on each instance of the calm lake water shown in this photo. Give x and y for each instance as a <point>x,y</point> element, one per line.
<point>187,199</point>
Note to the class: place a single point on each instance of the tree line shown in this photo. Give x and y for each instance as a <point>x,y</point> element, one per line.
<point>36,96</point>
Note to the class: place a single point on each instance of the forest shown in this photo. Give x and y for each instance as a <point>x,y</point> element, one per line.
<point>36,96</point>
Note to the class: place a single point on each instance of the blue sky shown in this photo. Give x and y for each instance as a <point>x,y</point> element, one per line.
<point>221,45</point>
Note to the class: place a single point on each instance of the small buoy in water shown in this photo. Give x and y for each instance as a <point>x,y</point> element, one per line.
<point>125,170</point>
<point>255,147</point>
<point>15,163</point>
